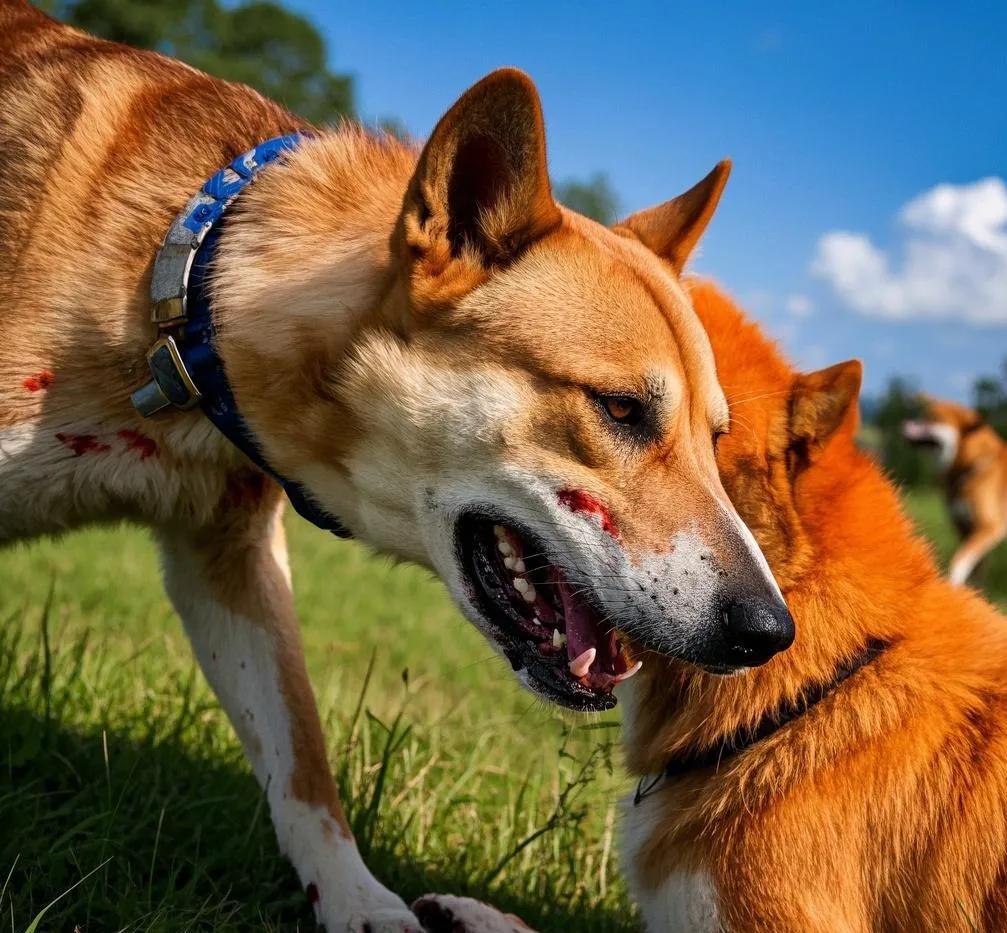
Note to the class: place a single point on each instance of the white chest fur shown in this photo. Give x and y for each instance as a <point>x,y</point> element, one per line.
<point>686,901</point>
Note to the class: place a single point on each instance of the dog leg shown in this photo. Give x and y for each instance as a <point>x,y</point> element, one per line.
<point>972,550</point>
<point>231,586</point>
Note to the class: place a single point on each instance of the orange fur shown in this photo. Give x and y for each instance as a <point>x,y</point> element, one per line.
<point>885,806</point>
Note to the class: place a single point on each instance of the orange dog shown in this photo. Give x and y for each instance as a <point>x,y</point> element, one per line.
<point>857,782</point>
<point>974,459</point>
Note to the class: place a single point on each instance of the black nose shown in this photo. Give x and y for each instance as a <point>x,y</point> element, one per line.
<point>755,630</point>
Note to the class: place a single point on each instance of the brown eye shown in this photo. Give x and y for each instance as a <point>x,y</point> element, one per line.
<point>623,409</point>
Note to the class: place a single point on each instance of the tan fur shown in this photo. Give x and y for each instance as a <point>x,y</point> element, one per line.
<point>884,808</point>
<point>975,476</point>
<point>410,334</point>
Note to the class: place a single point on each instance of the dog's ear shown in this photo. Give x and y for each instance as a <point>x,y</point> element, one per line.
<point>673,229</point>
<point>481,187</point>
<point>821,403</point>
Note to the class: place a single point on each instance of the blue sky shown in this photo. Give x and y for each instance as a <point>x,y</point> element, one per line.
<point>854,224</point>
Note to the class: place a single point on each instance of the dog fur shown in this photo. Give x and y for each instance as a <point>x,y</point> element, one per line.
<point>409,334</point>
<point>882,808</point>
<point>973,457</point>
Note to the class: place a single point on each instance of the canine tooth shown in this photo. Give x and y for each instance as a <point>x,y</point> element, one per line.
<point>627,674</point>
<point>558,638</point>
<point>521,585</point>
<point>504,548</point>
<point>581,664</point>
<point>529,593</point>
<point>519,566</point>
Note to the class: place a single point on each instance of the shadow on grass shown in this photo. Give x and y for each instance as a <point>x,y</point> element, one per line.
<point>181,840</point>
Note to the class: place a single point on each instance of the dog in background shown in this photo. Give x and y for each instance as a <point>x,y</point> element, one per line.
<point>973,459</point>
<point>857,782</point>
<point>422,345</point>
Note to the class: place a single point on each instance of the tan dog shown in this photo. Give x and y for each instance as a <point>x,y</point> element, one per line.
<point>974,460</point>
<point>424,345</point>
<point>857,782</point>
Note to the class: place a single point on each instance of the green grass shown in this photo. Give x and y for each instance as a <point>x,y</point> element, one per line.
<point>114,758</point>
<point>117,765</point>
<point>927,506</point>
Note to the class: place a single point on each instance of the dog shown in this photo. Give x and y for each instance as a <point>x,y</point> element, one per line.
<point>857,782</point>
<point>209,308</point>
<point>973,457</point>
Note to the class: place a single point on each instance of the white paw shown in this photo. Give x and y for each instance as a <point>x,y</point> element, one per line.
<point>445,913</point>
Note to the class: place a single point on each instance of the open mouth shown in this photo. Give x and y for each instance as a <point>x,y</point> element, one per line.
<point>544,623</point>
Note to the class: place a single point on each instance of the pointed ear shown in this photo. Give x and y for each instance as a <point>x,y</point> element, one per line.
<point>821,402</point>
<point>482,182</point>
<point>673,229</point>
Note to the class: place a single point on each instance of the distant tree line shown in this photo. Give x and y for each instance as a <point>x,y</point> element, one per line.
<point>883,415</point>
<point>271,48</point>
<point>258,42</point>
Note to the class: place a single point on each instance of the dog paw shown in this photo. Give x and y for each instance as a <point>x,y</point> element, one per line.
<point>445,913</point>
<point>388,920</point>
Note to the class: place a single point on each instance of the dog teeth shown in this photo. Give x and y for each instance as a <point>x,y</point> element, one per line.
<point>558,638</point>
<point>509,563</point>
<point>529,594</point>
<point>581,664</point>
<point>504,548</point>
<point>519,566</point>
<point>627,674</point>
<point>521,585</point>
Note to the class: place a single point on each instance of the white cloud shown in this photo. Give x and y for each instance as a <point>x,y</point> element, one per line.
<point>799,306</point>
<point>954,263</point>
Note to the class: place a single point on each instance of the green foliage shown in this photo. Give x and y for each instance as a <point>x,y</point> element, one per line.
<point>115,758</point>
<point>258,42</point>
<point>594,198</point>
<point>990,398</point>
<point>908,465</point>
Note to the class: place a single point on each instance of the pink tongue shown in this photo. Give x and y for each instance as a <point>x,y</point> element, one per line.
<point>580,631</point>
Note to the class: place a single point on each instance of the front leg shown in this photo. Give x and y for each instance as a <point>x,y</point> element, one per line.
<point>230,583</point>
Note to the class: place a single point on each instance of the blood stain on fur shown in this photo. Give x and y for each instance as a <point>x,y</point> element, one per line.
<point>576,500</point>
<point>142,444</point>
<point>82,444</point>
<point>39,382</point>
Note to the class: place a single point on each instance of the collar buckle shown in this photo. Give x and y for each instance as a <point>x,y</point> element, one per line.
<point>172,384</point>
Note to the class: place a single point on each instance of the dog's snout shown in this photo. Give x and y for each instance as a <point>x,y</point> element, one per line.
<point>755,630</point>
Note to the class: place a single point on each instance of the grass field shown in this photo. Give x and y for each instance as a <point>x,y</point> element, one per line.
<point>118,768</point>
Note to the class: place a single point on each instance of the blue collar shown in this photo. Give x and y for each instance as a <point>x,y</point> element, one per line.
<point>185,366</point>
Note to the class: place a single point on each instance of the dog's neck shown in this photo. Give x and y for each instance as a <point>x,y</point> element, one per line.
<point>304,265</point>
<point>850,595</point>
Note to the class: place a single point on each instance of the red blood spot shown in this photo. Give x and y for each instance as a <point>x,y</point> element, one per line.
<point>83,444</point>
<point>41,380</point>
<point>313,895</point>
<point>576,500</point>
<point>142,444</point>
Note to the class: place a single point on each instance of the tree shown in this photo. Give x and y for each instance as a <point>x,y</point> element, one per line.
<point>989,394</point>
<point>258,42</point>
<point>593,198</point>
<point>909,465</point>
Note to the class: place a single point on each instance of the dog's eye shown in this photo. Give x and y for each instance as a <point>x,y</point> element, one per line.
<point>623,409</point>
<point>717,435</point>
